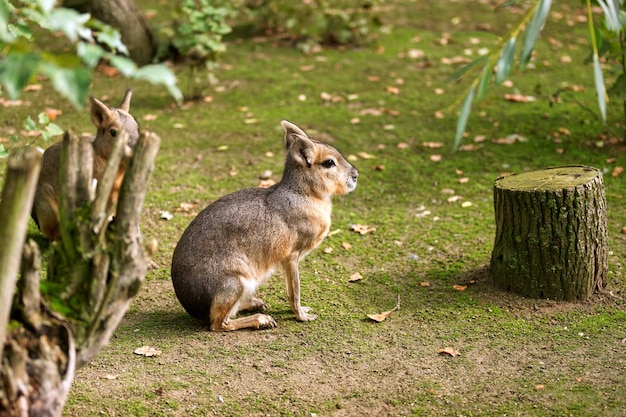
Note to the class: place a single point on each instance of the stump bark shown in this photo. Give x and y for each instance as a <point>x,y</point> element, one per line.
<point>551,233</point>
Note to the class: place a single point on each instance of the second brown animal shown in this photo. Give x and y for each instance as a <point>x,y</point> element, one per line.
<point>109,122</point>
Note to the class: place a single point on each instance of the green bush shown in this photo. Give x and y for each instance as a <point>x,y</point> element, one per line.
<point>195,38</point>
<point>312,22</point>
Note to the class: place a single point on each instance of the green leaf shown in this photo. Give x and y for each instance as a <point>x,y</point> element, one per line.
<point>54,129</point>
<point>160,74</point>
<point>5,13</point>
<point>72,83</point>
<point>125,65</point>
<point>50,131</point>
<point>91,54</point>
<point>466,108</point>
<point>532,31</point>
<point>505,62</point>
<point>15,71</point>
<point>29,124</point>
<point>43,118</point>
<point>46,5</point>
<point>466,68</point>
<point>618,89</point>
<point>600,89</point>
<point>610,11</point>
<point>484,81</point>
<point>3,152</point>
<point>68,21</point>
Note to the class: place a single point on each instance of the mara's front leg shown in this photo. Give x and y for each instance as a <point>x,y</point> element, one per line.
<point>292,277</point>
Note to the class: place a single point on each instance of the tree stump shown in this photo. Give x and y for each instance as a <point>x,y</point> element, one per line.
<point>551,233</point>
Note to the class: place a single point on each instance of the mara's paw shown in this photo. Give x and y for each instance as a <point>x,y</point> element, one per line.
<point>303,314</point>
<point>266,322</point>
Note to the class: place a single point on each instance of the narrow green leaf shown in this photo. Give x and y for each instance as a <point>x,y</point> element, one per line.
<point>466,108</point>
<point>466,68</point>
<point>505,62</point>
<point>484,81</point>
<point>532,31</point>
<point>618,89</point>
<point>610,11</point>
<point>3,152</point>
<point>600,89</point>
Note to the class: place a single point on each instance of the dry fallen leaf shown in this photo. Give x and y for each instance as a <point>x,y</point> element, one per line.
<point>366,155</point>
<point>435,158</point>
<point>362,228</point>
<point>380,317</point>
<point>328,250</point>
<point>432,145</point>
<point>617,171</point>
<point>539,387</point>
<point>186,207</point>
<point>346,245</point>
<point>109,377</point>
<point>424,284</point>
<point>52,113</point>
<point>32,87</point>
<point>266,183</point>
<point>147,351</point>
<point>623,230</point>
<point>355,277</point>
<point>459,287</point>
<point>450,351</point>
<point>519,98</point>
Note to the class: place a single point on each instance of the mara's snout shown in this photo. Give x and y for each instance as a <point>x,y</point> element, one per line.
<point>352,179</point>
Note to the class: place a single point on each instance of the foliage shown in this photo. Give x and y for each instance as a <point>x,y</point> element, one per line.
<point>70,74</point>
<point>195,36</point>
<point>319,21</point>
<point>606,42</point>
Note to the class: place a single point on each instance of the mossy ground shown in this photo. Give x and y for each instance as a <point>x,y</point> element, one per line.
<point>519,357</point>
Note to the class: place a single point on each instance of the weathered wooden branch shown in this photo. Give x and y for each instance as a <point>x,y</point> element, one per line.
<point>15,206</point>
<point>94,271</point>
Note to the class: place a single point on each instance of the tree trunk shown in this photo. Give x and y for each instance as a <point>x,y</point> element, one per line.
<point>94,271</point>
<point>551,233</point>
<point>124,15</point>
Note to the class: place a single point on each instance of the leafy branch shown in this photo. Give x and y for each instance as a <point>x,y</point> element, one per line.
<point>504,56</point>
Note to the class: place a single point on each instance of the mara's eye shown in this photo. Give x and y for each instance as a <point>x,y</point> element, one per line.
<point>113,132</point>
<point>329,163</point>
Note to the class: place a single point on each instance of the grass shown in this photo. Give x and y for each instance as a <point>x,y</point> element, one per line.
<point>519,357</point>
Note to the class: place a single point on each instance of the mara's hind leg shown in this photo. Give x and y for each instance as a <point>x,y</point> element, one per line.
<point>228,301</point>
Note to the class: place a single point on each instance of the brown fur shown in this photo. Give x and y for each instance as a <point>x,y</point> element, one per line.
<point>235,243</point>
<point>108,122</point>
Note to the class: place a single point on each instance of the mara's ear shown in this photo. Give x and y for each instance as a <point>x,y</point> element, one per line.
<point>302,150</point>
<point>125,104</point>
<point>100,113</point>
<point>290,131</point>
